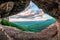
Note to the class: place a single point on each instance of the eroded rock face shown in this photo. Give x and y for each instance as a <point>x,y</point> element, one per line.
<point>5,8</point>
<point>13,33</point>
<point>51,7</point>
<point>3,36</point>
<point>10,7</point>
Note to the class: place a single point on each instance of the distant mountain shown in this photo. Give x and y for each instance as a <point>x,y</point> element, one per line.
<point>51,7</point>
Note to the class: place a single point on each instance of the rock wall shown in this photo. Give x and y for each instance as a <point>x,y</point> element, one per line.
<point>12,33</point>
<point>10,7</point>
<point>51,7</point>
